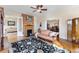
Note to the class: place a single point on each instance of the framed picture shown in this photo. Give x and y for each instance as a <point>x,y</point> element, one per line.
<point>29,18</point>
<point>53,25</point>
<point>11,23</point>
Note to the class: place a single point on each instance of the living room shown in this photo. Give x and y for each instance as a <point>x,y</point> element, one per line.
<point>20,19</point>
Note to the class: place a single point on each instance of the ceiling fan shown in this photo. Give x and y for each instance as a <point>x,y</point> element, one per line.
<point>38,8</point>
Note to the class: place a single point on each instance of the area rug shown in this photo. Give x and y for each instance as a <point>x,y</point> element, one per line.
<point>35,45</point>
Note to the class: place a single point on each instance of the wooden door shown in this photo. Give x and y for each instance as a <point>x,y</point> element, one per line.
<point>1,28</point>
<point>77,29</point>
<point>73,29</point>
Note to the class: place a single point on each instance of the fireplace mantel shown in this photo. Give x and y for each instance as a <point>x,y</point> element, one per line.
<point>27,25</point>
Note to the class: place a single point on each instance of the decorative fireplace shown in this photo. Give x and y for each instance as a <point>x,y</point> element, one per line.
<point>29,32</point>
<point>28,24</point>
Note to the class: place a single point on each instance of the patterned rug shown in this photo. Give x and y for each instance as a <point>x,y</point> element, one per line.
<point>34,45</point>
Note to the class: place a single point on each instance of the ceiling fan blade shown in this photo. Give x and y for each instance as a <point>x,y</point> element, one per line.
<point>41,6</point>
<point>34,10</point>
<point>44,9</point>
<point>38,6</point>
<point>33,7</point>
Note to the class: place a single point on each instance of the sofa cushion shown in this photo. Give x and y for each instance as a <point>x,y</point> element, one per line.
<point>45,32</point>
<point>53,34</point>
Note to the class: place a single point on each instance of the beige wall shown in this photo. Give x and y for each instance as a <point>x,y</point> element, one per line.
<point>19,24</point>
<point>62,26</point>
<point>9,28</point>
<point>63,13</point>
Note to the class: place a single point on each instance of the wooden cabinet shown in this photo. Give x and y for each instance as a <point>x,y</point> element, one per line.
<point>73,29</point>
<point>1,28</point>
<point>28,24</point>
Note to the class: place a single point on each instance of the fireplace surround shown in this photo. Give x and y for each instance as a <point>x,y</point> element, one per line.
<point>28,24</point>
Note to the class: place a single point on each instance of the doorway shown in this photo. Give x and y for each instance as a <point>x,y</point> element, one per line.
<point>1,29</point>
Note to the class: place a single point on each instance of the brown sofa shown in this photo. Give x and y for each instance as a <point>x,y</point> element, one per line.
<point>45,35</point>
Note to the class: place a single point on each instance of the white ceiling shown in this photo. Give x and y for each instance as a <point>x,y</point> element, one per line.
<point>53,10</point>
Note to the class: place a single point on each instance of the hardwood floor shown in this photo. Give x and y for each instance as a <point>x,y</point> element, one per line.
<point>4,51</point>
<point>72,47</point>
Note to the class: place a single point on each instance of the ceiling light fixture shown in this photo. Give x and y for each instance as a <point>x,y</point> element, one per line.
<point>39,8</point>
